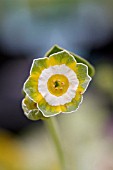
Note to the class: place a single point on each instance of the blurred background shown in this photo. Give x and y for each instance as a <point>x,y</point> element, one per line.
<point>28,28</point>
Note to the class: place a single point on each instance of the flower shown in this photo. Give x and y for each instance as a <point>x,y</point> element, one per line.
<point>31,110</point>
<point>56,84</point>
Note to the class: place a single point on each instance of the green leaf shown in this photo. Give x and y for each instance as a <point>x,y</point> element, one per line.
<point>56,48</point>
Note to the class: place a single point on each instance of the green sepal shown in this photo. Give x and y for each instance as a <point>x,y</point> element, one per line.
<point>56,48</point>
<point>30,110</point>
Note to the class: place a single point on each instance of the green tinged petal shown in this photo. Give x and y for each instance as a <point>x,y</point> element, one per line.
<point>62,57</point>
<point>38,65</point>
<point>91,70</point>
<point>30,88</point>
<point>82,75</point>
<point>48,110</point>
<point>74,104</point>
<point>30,110</point>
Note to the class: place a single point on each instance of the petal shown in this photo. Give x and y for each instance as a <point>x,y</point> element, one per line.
<point>31,89</point>
<point>91,69</point>
<point>31,110</point>
<point>63,57</point>
<point>83,77</point>
<point>74,104</point>
<point>48,110</point>
<point>39,65</point>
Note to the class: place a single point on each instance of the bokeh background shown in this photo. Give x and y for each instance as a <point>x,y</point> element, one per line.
<point>28,28</point>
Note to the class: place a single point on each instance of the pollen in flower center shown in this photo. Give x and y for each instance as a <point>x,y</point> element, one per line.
<point>58,84</point>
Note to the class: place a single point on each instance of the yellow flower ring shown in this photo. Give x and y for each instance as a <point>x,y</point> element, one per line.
<point>56,83</point>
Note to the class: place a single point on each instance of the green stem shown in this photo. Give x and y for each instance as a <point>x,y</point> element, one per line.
<point>52,126</point>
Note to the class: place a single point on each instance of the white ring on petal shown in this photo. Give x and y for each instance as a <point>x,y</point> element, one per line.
<point>71,91</point>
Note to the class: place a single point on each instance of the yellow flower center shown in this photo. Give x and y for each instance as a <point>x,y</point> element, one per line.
<point>58,84</point>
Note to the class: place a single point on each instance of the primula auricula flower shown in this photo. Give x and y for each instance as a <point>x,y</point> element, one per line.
<point>56,84</point>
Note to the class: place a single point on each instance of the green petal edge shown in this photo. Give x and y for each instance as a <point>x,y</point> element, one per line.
<point>56,48</point>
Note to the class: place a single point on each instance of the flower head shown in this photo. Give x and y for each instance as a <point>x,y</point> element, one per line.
<point>56,83</point>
